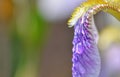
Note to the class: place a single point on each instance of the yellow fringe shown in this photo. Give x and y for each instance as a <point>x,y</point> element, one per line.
<point>79,11</point>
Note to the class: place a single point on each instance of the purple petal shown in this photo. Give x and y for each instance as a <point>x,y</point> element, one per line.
<point>86,60</point>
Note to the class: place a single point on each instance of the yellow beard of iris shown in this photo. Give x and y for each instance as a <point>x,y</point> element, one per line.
<point>79,11</point>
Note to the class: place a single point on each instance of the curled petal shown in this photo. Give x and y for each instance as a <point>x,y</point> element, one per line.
<point>86,59</point>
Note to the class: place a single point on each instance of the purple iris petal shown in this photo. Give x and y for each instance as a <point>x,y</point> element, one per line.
<point>86,60</point>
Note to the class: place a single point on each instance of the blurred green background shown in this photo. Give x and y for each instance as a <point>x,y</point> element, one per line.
<point>33,45</point>
<point>35,40</point>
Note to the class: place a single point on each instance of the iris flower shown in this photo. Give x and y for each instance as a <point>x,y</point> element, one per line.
<point>86,59</point>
